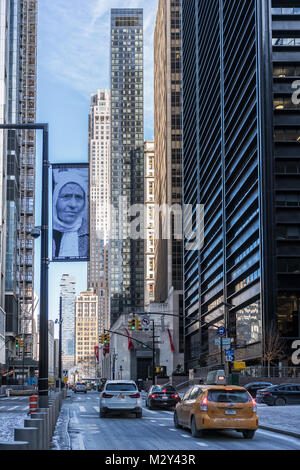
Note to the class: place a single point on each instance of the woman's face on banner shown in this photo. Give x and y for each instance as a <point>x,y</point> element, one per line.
<point>70,202</point>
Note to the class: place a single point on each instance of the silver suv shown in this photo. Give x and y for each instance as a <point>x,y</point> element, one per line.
<point>120,396</point>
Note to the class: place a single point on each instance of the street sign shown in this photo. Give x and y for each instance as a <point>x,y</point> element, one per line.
<point>145,322</point>
<point>239,365</point>
<point>221,331</point>
<point>226,342</point>
<point>229,354</point>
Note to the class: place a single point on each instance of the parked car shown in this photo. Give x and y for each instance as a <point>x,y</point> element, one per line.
<point>120,396</point>
<point>253,387</point>
<point>80,388</point>
<point>279,395</point>
<point>162,397</point>
<point>217,407</point>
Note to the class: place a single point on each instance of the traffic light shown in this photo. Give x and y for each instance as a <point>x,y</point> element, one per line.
<point>132,323</point>
<point>17,343</point>
<point>102,338</point>
<point>106,339</point>
<point>21,343</point>
<point>138,324</point>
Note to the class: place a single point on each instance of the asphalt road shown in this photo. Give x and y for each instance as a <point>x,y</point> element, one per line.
<point>155,431</point>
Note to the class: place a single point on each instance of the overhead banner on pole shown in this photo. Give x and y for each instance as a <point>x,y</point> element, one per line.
<point>70,212</point>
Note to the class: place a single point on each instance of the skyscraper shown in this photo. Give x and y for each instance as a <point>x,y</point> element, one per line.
<point>127,159</point>
<point>99,159</point>
<point>167,137</point>
<point>86,333</point>
<point>241,161</point>
<point>149,228</point>
<point>67,305</point>
<point>168,156</point>
<point>17,157</point>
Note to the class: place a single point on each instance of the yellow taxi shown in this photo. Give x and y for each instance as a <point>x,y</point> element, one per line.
<point>217,407</point>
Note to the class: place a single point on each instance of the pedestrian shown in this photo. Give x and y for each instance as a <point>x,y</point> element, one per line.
<point>70,224</point>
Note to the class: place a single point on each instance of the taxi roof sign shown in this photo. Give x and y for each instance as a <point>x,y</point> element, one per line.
<point>216,377</point>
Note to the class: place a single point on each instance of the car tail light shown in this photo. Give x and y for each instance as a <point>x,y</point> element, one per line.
<point>106,395</point>
<point>265,393</point>
<point>203,404</point>
<point>153,396</point>
<point>254,405</point>
<point>136,395</point>
<point>175,396</point>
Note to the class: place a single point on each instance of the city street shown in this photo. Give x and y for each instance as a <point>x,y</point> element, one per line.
<point>155,431</point>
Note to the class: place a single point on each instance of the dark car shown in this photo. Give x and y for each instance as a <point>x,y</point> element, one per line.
<point>162,397</point>
<point>253,387</point>
<point>279,395</point>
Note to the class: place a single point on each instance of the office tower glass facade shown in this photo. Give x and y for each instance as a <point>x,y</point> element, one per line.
<point>230,161</point>
<point>127,159</point>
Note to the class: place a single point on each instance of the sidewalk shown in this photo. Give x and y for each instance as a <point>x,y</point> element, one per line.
<point>282,419</point>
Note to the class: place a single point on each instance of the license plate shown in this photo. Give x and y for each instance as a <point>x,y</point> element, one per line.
<point>121,397</point>
<point>164,398</point>
<point>230,412</point>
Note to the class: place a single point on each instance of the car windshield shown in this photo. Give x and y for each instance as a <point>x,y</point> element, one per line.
<point>228,396</point>
<point>121,387</point>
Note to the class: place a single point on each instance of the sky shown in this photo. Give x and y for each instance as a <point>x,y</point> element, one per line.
<point>73,63</point>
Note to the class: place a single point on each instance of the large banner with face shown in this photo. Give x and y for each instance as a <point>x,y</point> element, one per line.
<point>70,212</point>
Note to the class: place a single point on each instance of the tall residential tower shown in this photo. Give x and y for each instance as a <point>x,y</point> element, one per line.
<point>127,160</point>
<point>99,158</point>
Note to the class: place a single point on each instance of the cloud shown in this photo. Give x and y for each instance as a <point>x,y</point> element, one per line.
<point>74,43</point>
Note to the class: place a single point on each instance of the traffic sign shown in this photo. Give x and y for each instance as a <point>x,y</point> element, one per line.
<point>239,365</point>
<point>221,331</point>
<point>145,322</point>
<point>229,355</point>
<point>226,342</point>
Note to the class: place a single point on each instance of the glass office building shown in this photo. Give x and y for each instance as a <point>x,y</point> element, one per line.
<point>241,161</point>
<point>127,159</point>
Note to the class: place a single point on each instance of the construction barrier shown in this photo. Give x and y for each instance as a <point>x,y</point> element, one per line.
<point>33,404</point>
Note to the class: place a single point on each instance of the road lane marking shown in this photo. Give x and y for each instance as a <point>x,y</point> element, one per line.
<point>82,409</point>
<point>97,408</point>
<point>184,435</point>
<point>202,444</point>
<point>12,408</point>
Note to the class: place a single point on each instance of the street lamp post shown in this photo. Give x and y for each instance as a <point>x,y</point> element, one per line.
<point>44,232</point>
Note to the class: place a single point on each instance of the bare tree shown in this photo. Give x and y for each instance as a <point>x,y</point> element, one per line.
<point>273,347</point>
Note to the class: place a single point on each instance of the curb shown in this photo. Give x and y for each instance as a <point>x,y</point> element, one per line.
<point>280,431</point>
